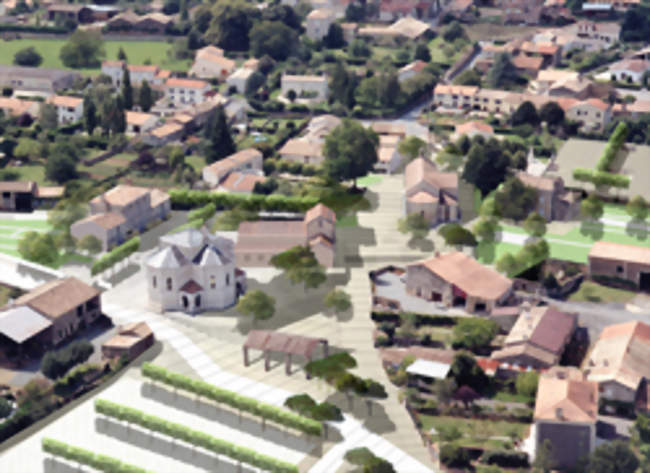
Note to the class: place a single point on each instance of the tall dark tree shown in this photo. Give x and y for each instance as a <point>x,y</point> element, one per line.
<point>350,151</point>
<point>422,52</point>
<point>121,55</point>
<point>342,85</point>
<point>221,142</point>
<point>612,457</point>
<point>145,99</point>
<point>89,115</point>
<point>526,114</point>
<point>502,72</point>
<point>127,89</point>
<point>334,37</point>
<point>486,166</point>
<point>551,113</point>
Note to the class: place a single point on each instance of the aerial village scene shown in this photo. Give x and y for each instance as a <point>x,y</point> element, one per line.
<point>325,236</point>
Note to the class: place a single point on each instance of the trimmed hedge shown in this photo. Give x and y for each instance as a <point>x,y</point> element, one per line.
<point>203,213</point>
<point>86,457</point>
<point>232,399</point>
<point>505,458</point>
<point>115,255</point>
<point>189,199</point>
<point>601,178</point>
<point>616,141</point>
<point>194,437</point>
<point>420,319</point>
<point>33,29</point>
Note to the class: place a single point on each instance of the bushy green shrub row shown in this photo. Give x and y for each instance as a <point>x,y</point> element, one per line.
<point>531,254</point>
<point>187,199</point>
<point>33,29</point>
<point>194,437</point>
<point>616,141</point>
<point>82,456</point>
<point>234,400</point>
<point>601,178</point>
<point>57,363</point>
<point>116,255</point>
<point>203,213</point>
<point>505,458</point>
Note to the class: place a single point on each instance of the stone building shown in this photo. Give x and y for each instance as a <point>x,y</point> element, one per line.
<point>431,193</point>
<point>619,261</point>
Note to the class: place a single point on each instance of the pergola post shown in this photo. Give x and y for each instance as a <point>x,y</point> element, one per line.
<point>287,364</point>
<point>246,361</point>
<point>267,360</point>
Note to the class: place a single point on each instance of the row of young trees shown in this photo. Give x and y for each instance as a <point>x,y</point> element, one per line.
<point>188,199</point>
<point>57,363</point>
<point>116,255</point>
<point>194,437</point>
<point>97,461</point>
<point>242,403</point>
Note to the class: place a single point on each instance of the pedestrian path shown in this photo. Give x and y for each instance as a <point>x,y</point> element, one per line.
<point>353,432</point>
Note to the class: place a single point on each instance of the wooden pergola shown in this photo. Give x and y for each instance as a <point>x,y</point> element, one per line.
<point>270,342</point>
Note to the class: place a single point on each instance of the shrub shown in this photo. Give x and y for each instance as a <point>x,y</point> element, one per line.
<point>188,199</point>
<point>115,255</point>
<point>454,456</point>
<point>57,363</point>
<point>505,458</point>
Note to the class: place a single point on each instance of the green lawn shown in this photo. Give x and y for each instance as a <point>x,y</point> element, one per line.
<point>12,230</point>
<point>347,221</point>
<point>593,292</point>
<point>370,180</point>
<point>476,433</point>
<point>137,52</point>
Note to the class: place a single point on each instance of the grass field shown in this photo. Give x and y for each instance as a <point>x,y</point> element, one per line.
<point>593,292</point>
<point>137,52</point>
<point>12,230</point>
<point>475,433</point>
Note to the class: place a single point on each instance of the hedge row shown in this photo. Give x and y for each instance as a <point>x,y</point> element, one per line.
<point>601,178</point>
<point>203,213</point>
<point>194,437</point>
<point>420,319</point>
<point>82,456</point>
<point>232,399</point>
<point>505,458</point>
<point>616,141</point>
<point>33,29</point>
<point>189,199</point>
<point>116,255</point>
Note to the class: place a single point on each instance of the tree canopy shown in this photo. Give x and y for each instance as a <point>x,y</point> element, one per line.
<point>526,114</point>
<point>612,457</point>
<point>350,151</point>
<point>515,200</point>
<point>415,224</point>
<point>300,266</point>
<point>466,372</point>
<point>474,333</point>
<point>337,300</point>
<point>221,143</point>
<point>457,235</point>
<point>637,208</point>
<point>84,49</point>
<point>592,207</point>
<point>486,165</point>
<point>273,38</point>
<point>28,57</point>
<point>257,304</point>
<point>38,247</point>
<point>535,224</point>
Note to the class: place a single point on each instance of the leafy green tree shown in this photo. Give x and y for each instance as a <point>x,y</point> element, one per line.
<point>337,300</point>
<point>342,85</point>
<point>121,55</point>
<point>57,363</point>
<point>457,235</point>
<point>89,115</point>
<point>486,166</point>
<point>367,461</point>
<point>444,390</point>
<point>230,24</point>
<point>526,114</point>
<point>551,113</point>
<point>145,99</point>
<point>592,207</point>
<point>515,200</point>
<point>641,432</point>
<point>469,77</point>
<point>454,456</point>
<point>453,31</point>
<point>38,247</point>
<point>5,408</point>
<point>526,383</point>
<point>28,149</point>
<point>64,214</point>
<point>415,224</point>
<point>127,89</point>
<point>637,208</point>
<point>502,73</point>
<point>466,372</point>
<point>486,229</point>
<point>221,142</point>
<point>257,304</point>
<point>612,457</point>
<point>28,57</point>
<point>535,224</point>
<point>65,242</point>
<point>334,37</point>
<point>254,82</point>
<point>422,52</point>
<point>84,49</point>
<point>359,49</point>
<point>474,333</point>
<point>48,117</point>
<point>273,38</point>
<point>350,151</point>
<point>507,263</point>
<point>411,147</point>
<point>300,266</point>
<point>90,243</point>
<point>61,168</point>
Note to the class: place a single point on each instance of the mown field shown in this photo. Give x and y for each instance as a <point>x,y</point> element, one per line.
<point>138,52</point>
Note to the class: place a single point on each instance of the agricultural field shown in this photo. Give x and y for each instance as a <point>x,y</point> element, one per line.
<point>138,53</point>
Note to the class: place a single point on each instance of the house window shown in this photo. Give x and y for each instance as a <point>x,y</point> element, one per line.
<point>80,311</point>
<point>169,284</point>
<point>213,282</point>
<point>619,269</point>
<point>154,282</point>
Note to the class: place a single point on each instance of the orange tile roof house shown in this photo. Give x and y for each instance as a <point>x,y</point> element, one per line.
<point>247,161</point>
<point>431,193</point>
<point>304,151</point>
<point>120,212</point>
<point>616,260</point>
<point>618,361</point>
<point>140,122</point>
<point>455,279</point>
<point>566,411</point>
<point>473,128</point>
<point>68,109</point>
<point>50,313</point>
<point>259,241</point>
<point>210,63</point>
<point>16,107</point>
<point>538,338</point>
<point>186,91</point>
